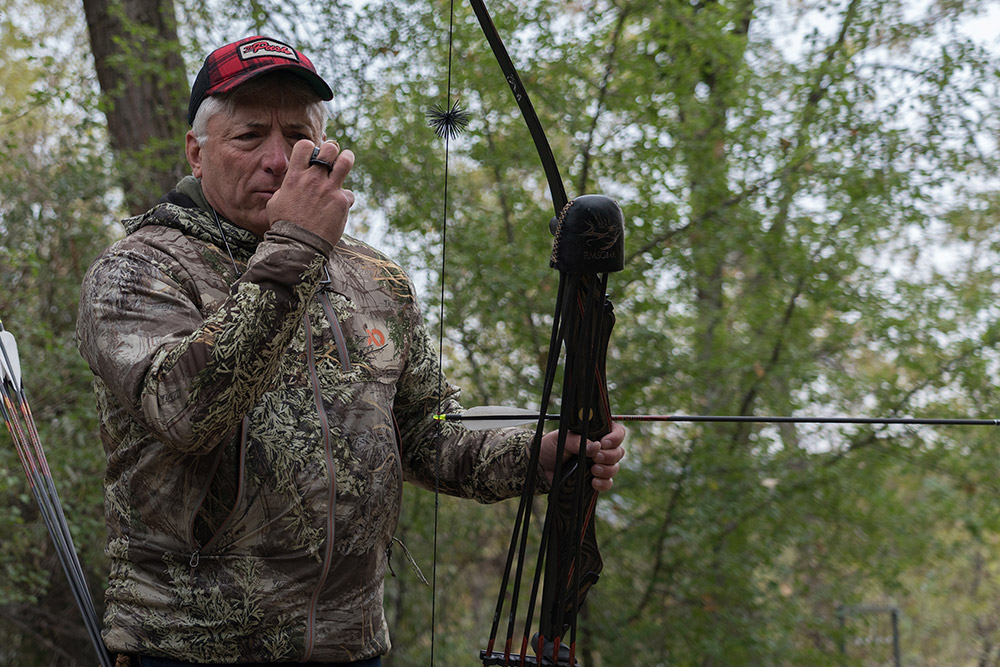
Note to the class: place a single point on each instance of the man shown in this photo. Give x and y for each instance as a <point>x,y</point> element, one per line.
<point>265,384</point>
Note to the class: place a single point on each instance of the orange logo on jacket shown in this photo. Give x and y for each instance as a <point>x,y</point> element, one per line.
<point>375,337</point>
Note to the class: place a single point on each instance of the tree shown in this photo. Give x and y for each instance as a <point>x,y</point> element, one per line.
<point>137,55</point>
<point>54,217</point>
<point>811,220</point>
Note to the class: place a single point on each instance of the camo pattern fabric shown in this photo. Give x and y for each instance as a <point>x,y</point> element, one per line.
<point>247,520</point>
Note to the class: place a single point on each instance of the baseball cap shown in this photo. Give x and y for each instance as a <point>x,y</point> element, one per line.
<point>234,64</point>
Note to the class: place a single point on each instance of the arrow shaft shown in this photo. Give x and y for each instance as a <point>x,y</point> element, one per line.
<point>926,421</point>
<point>809,420</point>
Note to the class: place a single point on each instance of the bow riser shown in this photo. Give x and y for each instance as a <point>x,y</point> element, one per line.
<point>568,553</point>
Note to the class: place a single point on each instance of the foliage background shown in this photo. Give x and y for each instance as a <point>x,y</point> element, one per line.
<point>811,208</point>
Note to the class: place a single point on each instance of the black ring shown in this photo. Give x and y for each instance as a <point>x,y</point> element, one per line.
<point>315,160</point>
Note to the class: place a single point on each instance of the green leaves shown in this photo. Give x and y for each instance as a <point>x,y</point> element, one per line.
<point>783,207</point>
<point>811,209</point>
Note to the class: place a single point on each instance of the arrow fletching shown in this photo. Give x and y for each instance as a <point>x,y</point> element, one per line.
<point>10,363</point>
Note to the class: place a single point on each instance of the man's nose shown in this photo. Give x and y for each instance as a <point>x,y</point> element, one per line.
<point>276,153</point>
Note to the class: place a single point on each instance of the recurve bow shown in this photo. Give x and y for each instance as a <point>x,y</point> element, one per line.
<point>588,245</point>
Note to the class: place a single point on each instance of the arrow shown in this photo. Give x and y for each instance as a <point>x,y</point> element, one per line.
<point>21,425</point>
<point>486,417</point>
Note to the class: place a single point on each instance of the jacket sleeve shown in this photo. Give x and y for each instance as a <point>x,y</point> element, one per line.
<point>484,465</point>
<point>191,376</point>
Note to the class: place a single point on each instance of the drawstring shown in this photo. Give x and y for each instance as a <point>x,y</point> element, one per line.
<point>218,223</point>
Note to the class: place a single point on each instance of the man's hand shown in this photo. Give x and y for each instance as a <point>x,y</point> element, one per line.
<point>312,196</point>
<point>606,455</point>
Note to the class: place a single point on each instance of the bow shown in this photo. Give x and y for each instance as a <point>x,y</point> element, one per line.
<point>588,245</point>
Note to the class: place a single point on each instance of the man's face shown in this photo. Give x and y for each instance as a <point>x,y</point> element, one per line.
<point>243,159</point>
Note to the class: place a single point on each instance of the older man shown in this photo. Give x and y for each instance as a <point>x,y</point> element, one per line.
<point>265,384</point>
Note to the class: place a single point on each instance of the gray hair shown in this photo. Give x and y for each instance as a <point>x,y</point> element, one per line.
<point>276,89</point>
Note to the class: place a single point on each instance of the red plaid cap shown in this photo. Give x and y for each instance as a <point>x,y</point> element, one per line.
<point>234,64</point>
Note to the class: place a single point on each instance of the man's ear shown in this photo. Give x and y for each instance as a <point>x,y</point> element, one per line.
<point>193,151</point>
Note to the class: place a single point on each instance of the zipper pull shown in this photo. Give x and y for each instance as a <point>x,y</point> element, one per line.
<point>195,558</point>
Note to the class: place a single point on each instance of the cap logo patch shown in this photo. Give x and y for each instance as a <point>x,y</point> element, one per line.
<point>267,47</point>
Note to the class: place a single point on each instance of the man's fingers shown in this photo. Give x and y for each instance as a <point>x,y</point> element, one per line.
<point>604,471</point>
<point>326,155</point>
<point>301,152</point>
<point>342,165</point>
<point>341,162</point>
<point>610,456</point>
<point>312,194</point>
<point>601,484</point>
<point>326,152</point>
<point>605,454</point>
<point>607,450</point>
<point>338,163</point>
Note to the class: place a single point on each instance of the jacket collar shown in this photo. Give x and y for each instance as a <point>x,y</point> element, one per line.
<point>185,208</point>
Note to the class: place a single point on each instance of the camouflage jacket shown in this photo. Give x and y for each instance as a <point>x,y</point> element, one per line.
<point>258,429</point>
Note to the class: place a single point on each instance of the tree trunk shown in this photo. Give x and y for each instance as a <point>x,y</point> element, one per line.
<point>144,88</point>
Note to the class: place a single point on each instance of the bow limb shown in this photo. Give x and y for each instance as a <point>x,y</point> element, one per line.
<point>556,188</point>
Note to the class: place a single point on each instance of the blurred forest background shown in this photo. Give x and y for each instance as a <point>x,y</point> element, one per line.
<point>811,199</point>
